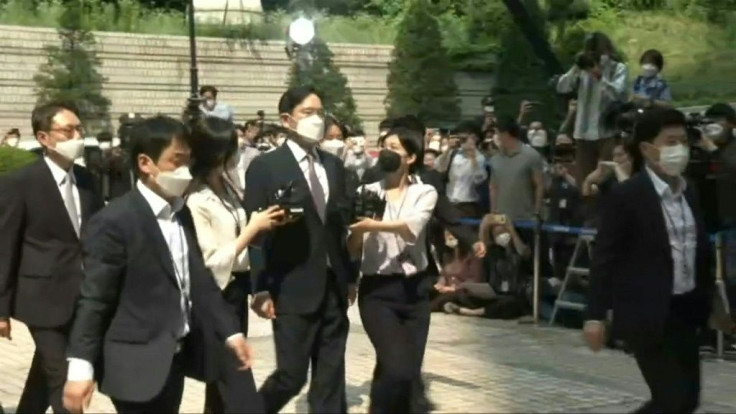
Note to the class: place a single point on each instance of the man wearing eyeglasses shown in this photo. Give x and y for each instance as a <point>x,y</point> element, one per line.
<point>44,206</point>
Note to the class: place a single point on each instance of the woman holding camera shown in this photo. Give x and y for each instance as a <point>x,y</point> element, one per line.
<point>223,235</point>
<point>394,290</point>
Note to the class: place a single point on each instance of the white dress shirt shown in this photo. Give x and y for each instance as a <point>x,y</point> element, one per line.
<point>60,176</point>
<point>464,176</point>
<point>215,222</point>
<point>682,231</point>
<point>319,168</point>
<point>388,253</point>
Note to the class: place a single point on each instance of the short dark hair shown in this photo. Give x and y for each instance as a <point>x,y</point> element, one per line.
<point>385,124</point>
<point>331,121</point>
<point>413,142</point>
<point>153,135</point>
<point>213,141</point>
<point>43,115</point>
<point>649,125</point>
<point>470,127</point>
<point>295,96</point>
<point>251,123</point>
<point>14,131</point>
<point>654,56</point>
<point>508,124</point>
<point>722,110</point>
<point>410,122</point>
<point>208,88</point>
<point>104,136</point>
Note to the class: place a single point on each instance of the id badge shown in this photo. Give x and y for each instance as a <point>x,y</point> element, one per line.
<point>505,286</point>
<point>563,203</point>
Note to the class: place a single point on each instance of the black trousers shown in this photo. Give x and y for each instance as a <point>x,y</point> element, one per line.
<point>236,391</point>
<point>671,368</point>
<point>318,338</point>
<point>395,315</point>
<point>45,382</point>
<point>167,401</point>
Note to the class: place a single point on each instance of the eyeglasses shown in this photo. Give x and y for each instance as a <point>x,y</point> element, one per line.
<point>69,131</point>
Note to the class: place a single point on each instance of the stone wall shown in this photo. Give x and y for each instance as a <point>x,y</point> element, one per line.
<point>150,74</point>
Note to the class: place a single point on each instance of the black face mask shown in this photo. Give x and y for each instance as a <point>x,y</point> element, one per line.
<point>389,161</point>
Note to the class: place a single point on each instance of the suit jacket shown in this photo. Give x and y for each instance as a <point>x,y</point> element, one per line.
<point>295,256</point>
<point>632,269</point>
<point>444,215</point>
<point>129,315</point>
<point>40,254</point>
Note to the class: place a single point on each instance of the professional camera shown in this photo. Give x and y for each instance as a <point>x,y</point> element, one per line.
<point>287,198</point>
<point>127,122</point>
<point>368,204</point>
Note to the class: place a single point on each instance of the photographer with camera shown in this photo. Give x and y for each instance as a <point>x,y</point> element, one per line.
<point>11,138</point>
<point>599,78</point>
<point>394,290</point>
<point>719,136</point>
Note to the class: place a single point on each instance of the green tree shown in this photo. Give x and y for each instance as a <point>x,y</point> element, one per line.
<point>521,75</point>
<point>12,159</point>
<point>421,79</point>
<point>313,66</point>
<point>70,74</point>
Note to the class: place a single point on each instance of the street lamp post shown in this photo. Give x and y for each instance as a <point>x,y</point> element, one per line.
<point>194,99</point>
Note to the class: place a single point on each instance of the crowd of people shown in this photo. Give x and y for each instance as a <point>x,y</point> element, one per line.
<point>139,270</point>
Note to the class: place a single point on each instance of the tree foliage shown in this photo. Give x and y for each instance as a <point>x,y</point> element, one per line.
<point>521,75</point>
<point>314,66</point>
<point>70,73</point>
<point>12,159</point>
<point>421,79</point>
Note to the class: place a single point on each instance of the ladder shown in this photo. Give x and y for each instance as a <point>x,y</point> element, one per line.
<point>573,273</point>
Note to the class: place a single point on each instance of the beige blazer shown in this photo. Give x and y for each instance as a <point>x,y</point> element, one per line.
<point>214,220</point>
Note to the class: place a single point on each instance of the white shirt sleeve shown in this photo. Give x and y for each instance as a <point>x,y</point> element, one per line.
<point>80,370</point>
<point>421,213</point>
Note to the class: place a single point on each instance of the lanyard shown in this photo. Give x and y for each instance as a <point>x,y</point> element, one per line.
<point>184,284</point>
<point>234,211</point>
<point>404,256</point>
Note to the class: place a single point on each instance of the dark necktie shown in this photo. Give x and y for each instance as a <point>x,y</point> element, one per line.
<point>318,193</point>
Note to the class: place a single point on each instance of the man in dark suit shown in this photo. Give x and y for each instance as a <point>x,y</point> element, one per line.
<point>147,294</point>
<point>42,208</point>
<point>651,266</point>
<point>306,278</point>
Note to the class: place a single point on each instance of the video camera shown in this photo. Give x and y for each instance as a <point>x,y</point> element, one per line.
<point>287,198</point>
<point>368,204</point>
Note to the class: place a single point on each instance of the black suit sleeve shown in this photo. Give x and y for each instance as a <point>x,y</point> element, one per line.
<point>257,197</point>
<point>12,217</point>
<point>348,184</point>
<point>610,241</point>
<point>104,253</point>
<point>446,213</point>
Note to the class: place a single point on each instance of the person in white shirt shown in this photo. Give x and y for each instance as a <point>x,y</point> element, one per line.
<point>149,310</point>
<point>214,108</point>
<point>224,234</point>
<point>465,171</point>
<point>394,290</point>
<point>652,266</point>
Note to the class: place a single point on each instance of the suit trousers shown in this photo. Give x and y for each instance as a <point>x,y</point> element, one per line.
<point>671,368</point>
<point>167,401</point>
<point>319,338</point>
<point>45,382</point>
<point>395,314</point>
<point>235,392</point>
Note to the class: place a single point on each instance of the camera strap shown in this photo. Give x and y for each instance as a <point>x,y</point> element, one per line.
<point>404,256</point>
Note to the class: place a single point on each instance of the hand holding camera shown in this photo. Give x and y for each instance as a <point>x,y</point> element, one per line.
<point>285,198</point>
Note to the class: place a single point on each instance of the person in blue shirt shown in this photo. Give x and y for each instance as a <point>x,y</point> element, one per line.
<point>650,88</point>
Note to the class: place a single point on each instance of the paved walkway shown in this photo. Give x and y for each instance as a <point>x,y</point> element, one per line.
<point>471,366</point>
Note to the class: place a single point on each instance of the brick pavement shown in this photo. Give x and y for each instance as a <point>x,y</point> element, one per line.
<point>471,365</point>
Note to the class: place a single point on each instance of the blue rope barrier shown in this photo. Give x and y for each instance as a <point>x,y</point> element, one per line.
<point>561,229</point>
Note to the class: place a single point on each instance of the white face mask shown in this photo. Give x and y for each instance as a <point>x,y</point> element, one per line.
<point>451,243</point>
<point>605,59</point>
<point>648,70</point>
<point>503,239</point>
<point>674,159</point>
<point>210,103</point>
<point>311,128</point>
<point>434,145</point>
<point>13,142</point>
<point>333,146</point>
<point>538,138</point>
<point>174,183</point>
<point>713,131</point>
<point>69,149</point>
<point>444,148</point>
